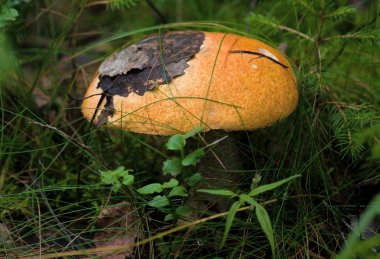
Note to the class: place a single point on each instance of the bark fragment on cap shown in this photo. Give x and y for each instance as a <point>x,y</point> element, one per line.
<point>153,61</point>
<point>148,63</point>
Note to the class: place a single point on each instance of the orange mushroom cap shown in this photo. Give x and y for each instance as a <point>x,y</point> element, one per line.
<point>175,82</point>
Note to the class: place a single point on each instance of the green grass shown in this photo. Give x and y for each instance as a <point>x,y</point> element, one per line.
<point>53,49</point>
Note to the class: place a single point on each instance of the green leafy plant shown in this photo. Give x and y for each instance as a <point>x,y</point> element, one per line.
<point>175,167</point>
<point>7,14</point>
<point>8,59</point>
<point>117,178</point>
<point>248,198</point>
<point>163,200</point>
<point>8,11</point>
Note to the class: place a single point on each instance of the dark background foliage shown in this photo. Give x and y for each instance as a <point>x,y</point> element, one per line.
<point>50,50</point>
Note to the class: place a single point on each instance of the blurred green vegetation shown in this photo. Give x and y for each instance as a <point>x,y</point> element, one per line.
<point>52,48</point>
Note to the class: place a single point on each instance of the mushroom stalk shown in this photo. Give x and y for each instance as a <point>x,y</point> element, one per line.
<point>221,169</point>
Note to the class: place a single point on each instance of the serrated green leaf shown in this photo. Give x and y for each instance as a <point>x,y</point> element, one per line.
<point>218,192</point>
<point>178,191</point>
<point>172,166</point>
<point>176,142</point>
<point>111,176</point>
<point>266,226</point>
<point>108,178</point>
<point>120,171</point>
<point>117,178</point>
<point>194,179</point>
<point>230,218</point>
<point>159,201</point>
<point>171,183</point>
<point>271,186</point>
<point>151,188</point>
<point>193,132</point>
<point>169,217</point>
<point>193,158</point>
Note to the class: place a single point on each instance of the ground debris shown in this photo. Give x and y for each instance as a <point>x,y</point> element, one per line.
<point>117,225</point>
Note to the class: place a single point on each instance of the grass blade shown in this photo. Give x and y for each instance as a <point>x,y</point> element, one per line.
<point>229,220</point>
<point>271,186</point>
<point>266,226</point>
<point>353,243</point>
<point>218,192</point>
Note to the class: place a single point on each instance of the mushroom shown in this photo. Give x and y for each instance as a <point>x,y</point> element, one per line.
<point>173,82</point>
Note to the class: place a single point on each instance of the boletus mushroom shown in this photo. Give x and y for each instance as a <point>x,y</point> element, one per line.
<point>173,82</point>
<point>176,81</point>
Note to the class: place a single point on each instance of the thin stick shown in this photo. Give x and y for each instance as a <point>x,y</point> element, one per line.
<point>258,54</point>
<point>138,243</point>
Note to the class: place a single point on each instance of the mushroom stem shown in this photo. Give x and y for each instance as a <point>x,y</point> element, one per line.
<point>220,168</point>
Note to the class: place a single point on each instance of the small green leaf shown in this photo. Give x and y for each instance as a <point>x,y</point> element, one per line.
<point>193,132</point>
<point>169,217</point>
<point>264,221</point>
<point>171,183</point>
<point>230,218</point>
<point>176,142</point>
<point>172,166</point>
<point>271,186</point>
<point>159,201</point>
<point>117,178</point>
<point>151,188</point>
<point>178,191</point>
<point>218,192</point>
<point>120,170</point>
<point>194,179</point>
<point>255,181</point>
<point>193,158</point>
<point>182,210</point>
<point>116,187</point>
<point>108,178</point>
<point>111,176</point>
<point>128,180</point>
<point>7,15</point>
